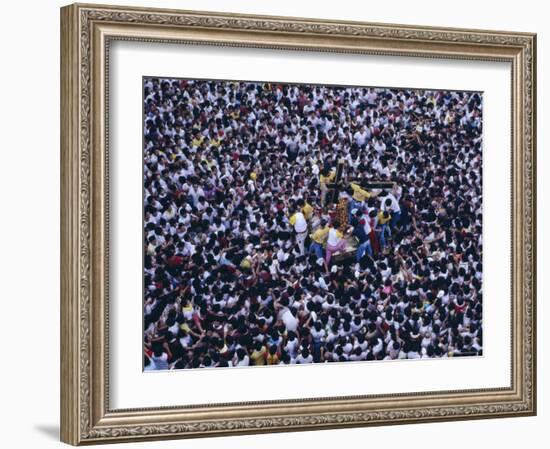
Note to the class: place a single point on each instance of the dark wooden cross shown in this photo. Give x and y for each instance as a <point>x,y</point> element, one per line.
<point>338,185</point>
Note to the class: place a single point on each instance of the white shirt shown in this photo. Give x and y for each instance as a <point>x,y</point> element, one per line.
<point>366,226</point>
<point>394,207</point>
<point>300,225</point>
<point>150,367</point>
<point>290,321</point>
<point>161,362</point>
<point>361,137</point>
<point>244,362</point>
<point>332,237</point>
<point>292,347</point>
<point>301,360</point>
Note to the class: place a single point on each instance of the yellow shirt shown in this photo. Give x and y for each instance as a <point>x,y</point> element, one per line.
<point>359,194</point>
<point>320,235</point>
<point>188,308</point>
<point>246,263</point>
<point>327,179</point>
<point>381,218</point>
<point>307,210</point>
<point>257,357</point>
<point>196,142</point>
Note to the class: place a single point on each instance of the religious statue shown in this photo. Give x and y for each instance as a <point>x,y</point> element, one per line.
<point>342,209</point>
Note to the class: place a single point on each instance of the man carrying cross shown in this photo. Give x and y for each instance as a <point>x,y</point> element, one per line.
<point>358,197</point>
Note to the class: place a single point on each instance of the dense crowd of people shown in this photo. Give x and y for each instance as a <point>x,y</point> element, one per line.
<point>242,230</point>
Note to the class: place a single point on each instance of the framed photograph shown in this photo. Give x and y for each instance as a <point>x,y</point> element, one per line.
<point>280,224</point>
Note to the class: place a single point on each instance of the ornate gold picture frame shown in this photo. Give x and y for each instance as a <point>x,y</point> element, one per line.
<point>86,34</point>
